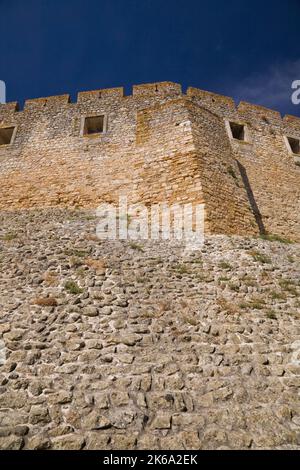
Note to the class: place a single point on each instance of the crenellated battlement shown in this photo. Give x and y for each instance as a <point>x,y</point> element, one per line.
<point>157,144</point>
<point>160,88</point>
<point>52,102</point>
<point>95,95</point>
<point>9,108</point>
<point>213,101</point>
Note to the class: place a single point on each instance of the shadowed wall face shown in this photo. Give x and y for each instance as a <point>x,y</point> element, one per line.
<point>155,146</point>
<point>269,169</point>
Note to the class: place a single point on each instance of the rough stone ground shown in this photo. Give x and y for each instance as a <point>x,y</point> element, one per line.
<point>119,345</point>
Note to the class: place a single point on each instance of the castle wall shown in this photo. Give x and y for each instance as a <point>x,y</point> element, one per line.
<point>49,163</point>
<point>227,207</point>
<point>166,162</point>
<point>269,169</point>
<point>160,146</point>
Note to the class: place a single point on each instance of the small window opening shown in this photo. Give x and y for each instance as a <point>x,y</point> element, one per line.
<point>294,145</point>
<point>237,131</point>
<point>6,135</point>
<point>93,125</point>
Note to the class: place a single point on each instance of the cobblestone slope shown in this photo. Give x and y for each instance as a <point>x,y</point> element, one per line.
<point>122,345</point>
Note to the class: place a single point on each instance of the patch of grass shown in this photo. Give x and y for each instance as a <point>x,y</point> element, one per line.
<point>80,272</point>
<point>291,259</point>
<point>99,265</point>
<point>229,307</point>
<point>198,261</point>
<point>147,314</point>
<point>277,295</point>
<point>136,246</point>
<point>265,275</point>
<point>75,262</point>
<point>92,238</point>
<point>257,304</point>
<point>156,261</point>
<point>224,279</point>
<point>45,301</point>
<point>234,287</point>
<point>72,287</point>
<point>165,305</point>
<point>79,253</point>
<point>271,315</point>
<point>225,265</point>
<point>250,282</point>
<point>276,238</point>
<point>9,236</point>
<point>244,305</point>
<point>231,172</point>
<point>76,253</point>
<point>288,286</point>
<point>260,257</point>
<point>181,268</point>
<point>50,278</point>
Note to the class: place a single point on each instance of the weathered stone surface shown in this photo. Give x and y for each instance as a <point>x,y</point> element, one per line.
<point>70,442</point>
<point>96,441</point>
<point>90,311</point>
<point>39,415</point>
<point>121,418</point>
<point>95,421</point>
<point>194,159</point>
<point>11,443</point>
<point>204,356</point>
<point>161,421</point>
<point>124,441</point>
<point>38,442</point>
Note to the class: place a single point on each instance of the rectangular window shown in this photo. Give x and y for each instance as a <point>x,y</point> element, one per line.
<point>294,145</point>
<point>6,135</point>
<point>237,131</point>
<point>93,125</point>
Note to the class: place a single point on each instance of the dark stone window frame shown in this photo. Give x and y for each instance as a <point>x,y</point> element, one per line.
<point>242,132</point>
<point>7,134</point>
<point>293,145</point>
<point>88,125</point>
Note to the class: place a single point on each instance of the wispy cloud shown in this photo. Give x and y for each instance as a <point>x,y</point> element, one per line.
<point>270,88</point>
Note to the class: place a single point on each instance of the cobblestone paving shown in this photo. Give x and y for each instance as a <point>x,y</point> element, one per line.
<point>125,345</point>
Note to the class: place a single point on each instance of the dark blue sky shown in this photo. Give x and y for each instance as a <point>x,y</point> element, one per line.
<point>246,49</point>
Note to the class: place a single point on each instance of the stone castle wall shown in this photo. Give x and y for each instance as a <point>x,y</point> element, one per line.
<point>269,172</point>
<point>161,145</point>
